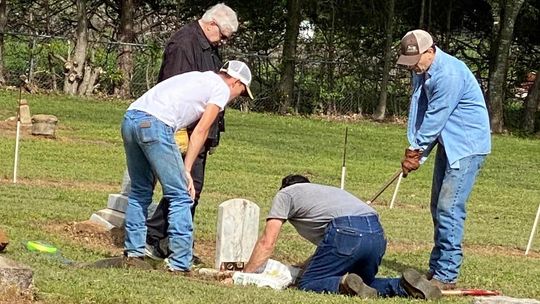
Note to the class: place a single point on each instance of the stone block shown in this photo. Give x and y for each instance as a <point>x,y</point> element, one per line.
<point>43,124</point>
<point>24,113</point>
<point>94,218</point>
<point>117,202</point>
<point>114,217</point>
<point>15,274</point>
<point>237,232</point>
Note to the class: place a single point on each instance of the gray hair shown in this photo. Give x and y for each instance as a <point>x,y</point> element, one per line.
<point>223,15</point>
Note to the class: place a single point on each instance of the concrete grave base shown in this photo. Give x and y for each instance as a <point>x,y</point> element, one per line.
<point>15,275</point>
<point>114,215</point>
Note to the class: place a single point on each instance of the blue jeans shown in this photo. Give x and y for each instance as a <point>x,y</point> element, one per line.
<point>151,154</point>
<point>351,244</point>
<point>449,194</point>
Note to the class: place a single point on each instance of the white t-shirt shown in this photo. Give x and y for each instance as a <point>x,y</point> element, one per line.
<point>181,100</point>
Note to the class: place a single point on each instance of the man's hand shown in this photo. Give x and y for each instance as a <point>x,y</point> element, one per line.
<point>190,186</point>
<point>411,161</point>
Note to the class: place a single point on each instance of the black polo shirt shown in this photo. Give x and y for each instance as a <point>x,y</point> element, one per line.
<point>189,50</point>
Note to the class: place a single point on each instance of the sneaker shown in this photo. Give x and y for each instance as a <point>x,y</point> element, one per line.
<point>442,285</point>
<point>417,286</point>
<point>351,284</point>
<point>154,252</point>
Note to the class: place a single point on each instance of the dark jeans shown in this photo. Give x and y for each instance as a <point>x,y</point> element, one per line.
<point>158,224</point>
<point>351,244</point>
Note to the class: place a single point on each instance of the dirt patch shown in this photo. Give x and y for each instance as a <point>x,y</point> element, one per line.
<point>206,251</point>
<point>95,237</point>
<point>92,236</point>
<point>13,295</point>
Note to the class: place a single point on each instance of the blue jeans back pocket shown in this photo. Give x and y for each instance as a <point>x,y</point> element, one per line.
<point>148,133</point>
<point>347,240</point>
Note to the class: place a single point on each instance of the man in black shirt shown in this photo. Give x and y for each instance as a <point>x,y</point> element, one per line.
<point>193,48</point>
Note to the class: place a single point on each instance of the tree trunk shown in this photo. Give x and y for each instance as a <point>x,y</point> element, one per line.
<point>531,105</point>
<point>497,76</point>
<point>125,52</point>
<point>380,111</point>
<point>3,23</point>
<point>81,90</point>
<point>286,83</point>
<point>74,67</point>
<point>52,71</point>
<point>448,25</point>
<point>330,65</point>
<point>422,10</point>
<point>92,83</point>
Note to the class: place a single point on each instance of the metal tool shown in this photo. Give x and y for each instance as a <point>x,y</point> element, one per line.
<point>385,186</point>
<point>470,292</point>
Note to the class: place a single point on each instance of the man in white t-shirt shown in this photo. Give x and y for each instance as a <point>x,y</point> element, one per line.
<point>151,152</point>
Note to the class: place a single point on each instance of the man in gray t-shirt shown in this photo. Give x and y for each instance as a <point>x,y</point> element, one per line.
<point>350,242</point>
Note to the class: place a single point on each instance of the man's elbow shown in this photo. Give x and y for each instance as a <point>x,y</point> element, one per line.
<point>267,244</point>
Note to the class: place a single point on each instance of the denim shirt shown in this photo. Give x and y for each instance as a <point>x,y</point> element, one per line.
<point>447,106</point>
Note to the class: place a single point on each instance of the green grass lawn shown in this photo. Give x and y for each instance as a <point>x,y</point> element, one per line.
<point>64,180</point>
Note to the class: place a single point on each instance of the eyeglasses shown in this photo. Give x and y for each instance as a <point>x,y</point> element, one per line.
<point>222,36</point>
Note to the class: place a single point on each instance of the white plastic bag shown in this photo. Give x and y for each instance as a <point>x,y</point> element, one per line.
<point>275,275</point>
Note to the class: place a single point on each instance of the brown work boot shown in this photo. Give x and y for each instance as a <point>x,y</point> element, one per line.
<point>442,285</point>
<point>351,284</point>
<point>417,286</point>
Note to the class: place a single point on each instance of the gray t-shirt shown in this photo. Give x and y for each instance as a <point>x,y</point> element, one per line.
<point>310,207</point>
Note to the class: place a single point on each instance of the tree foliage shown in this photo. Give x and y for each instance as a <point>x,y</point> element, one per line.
<point>343,54</point>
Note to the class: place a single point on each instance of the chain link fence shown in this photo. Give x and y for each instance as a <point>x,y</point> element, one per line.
<point>321,87</point>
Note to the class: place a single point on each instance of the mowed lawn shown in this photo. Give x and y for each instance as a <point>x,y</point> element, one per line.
<point>64,180</point>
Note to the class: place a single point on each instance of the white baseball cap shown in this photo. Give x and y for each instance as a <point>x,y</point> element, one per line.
<point>239,70</point>
<point>412,46</point>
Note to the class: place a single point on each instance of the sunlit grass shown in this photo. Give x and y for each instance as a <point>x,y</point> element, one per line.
<point>66,179</point>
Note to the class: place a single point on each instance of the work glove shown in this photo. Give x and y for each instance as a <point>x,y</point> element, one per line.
<point>182,140</point>
<point>411,161</point>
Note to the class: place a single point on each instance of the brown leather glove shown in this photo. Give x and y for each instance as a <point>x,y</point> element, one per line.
<point>411,161</point>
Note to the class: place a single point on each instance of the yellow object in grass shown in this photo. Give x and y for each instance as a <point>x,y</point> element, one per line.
<point>41,247</point>
<point>182,140</point>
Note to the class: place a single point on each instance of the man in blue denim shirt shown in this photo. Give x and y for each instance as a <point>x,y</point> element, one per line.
<point>447,110</point>
<point>349,238</point>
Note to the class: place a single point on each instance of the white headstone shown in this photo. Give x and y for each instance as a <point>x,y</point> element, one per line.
<point>237,231</point>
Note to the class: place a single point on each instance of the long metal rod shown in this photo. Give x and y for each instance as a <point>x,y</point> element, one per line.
<point>533,231</point>
<point>343,167</point>
<point>386,185</point>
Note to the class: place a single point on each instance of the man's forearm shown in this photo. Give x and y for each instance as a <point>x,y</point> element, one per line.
<point>260,255</point>
<point>196,143</point>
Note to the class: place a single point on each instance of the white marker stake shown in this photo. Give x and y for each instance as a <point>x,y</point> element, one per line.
<point>343,168</point>
<point>16,162</point>
<point>533,231</point>
<point>396,191</point>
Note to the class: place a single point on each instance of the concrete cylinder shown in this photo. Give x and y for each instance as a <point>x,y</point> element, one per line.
<point>45,125</point>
